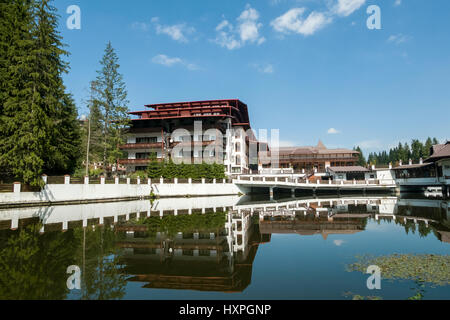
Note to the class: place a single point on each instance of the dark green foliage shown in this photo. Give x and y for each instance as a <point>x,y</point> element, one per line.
<point>154,169</point>
<point>171,225</point>
<point>404,152</point>
<point>361,160</point>
<point>110,97</point>
<point>39,131</point>
<point>170,170</point>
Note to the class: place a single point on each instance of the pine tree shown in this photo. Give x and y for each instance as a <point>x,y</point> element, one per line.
<point>111,98</point>
<point>23,124</point>
<point>361,160</point>
<point>154,168</point>
<point>38,125</point>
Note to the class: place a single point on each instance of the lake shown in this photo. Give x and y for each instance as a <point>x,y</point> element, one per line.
<point>229,248</point>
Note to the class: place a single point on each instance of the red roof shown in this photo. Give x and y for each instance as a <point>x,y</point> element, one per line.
<point>228,108</point>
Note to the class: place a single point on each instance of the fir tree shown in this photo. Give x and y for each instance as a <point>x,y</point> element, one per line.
<point>38,125</point>
<point>361,160</point>
<point>111,98</point>
<point>154,168</point>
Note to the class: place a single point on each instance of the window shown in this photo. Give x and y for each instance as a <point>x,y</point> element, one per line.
<point>147,140</point>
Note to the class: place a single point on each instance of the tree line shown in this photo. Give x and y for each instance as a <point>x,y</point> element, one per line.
<point>39,127</point>
<point>402,152</point>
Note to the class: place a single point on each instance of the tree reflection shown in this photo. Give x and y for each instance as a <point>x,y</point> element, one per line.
<point>33,265</point>
<point>98,258</point>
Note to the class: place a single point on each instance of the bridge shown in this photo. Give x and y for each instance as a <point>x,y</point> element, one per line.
<point>247,184</point>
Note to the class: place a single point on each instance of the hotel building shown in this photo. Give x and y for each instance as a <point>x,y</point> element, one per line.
<point>318,157</point>
<point>190,132</point>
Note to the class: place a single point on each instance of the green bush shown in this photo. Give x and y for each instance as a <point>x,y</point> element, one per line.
<point>170,170</point>
<point>141,174</point>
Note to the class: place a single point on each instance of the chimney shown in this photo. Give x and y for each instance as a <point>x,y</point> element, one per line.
<point>410,161</point>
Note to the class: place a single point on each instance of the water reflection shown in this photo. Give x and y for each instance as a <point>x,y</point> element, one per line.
<point>200,244</point>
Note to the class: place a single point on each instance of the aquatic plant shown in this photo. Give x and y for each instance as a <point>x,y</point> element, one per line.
<point>424,268</point>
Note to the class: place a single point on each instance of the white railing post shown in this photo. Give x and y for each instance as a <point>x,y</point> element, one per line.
<point>86,179</point>
<point>175,180</point>
<point>161,180</point>
<point>17,187</point>
<point>354,181</point>
<point>224,181</point>
<point>128,180</point>
<point>149,181</point>
<point>102,180</point>
<point>44,177</point>
<point>214,181</point>
<point>138,180</point>
<point>66,179</point>
<point>190,180</point>
<point>116,180</point>
<point>203,180</point>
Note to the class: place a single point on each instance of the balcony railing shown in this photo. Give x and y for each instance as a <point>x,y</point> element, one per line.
<point>130,146</point>
<point>134,161</point>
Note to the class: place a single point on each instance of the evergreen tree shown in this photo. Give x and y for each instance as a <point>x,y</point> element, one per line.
<point>154,168</point>
<point>111,98</point>
<point>38,125</point>
<point>361,159</point>
<point>427,147</point>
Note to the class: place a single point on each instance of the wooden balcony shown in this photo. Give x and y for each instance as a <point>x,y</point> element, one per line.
<point>134,161</point>
<point>141,146</point>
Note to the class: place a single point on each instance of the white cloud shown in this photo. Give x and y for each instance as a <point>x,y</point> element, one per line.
<point>246,31</point>
<point>177,32</point>
<point>292,22</point>
<point>333,131</point>
<point>397,3</point>
<point>167,61</point>
<point>339,242</point>
<point>398,38</point>
<point>344,8</point>
<point>264,68</point>
<point>141,26</point>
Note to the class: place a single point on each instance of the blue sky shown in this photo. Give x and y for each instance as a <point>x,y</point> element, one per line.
<point>305,67</point>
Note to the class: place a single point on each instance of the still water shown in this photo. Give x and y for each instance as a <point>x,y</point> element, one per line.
<point>229,248</point>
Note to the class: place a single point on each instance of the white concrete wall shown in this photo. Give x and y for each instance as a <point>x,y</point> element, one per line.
<point>82,192</point>
<point>385,176</point>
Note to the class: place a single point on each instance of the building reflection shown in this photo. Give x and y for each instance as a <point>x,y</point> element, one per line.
<point>205,260</point>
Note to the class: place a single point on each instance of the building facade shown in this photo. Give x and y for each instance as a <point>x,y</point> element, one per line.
<point>190,132</point>
<point>318,157</point>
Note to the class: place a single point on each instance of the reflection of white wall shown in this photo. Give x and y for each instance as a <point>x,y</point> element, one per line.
<point>81,192</point>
